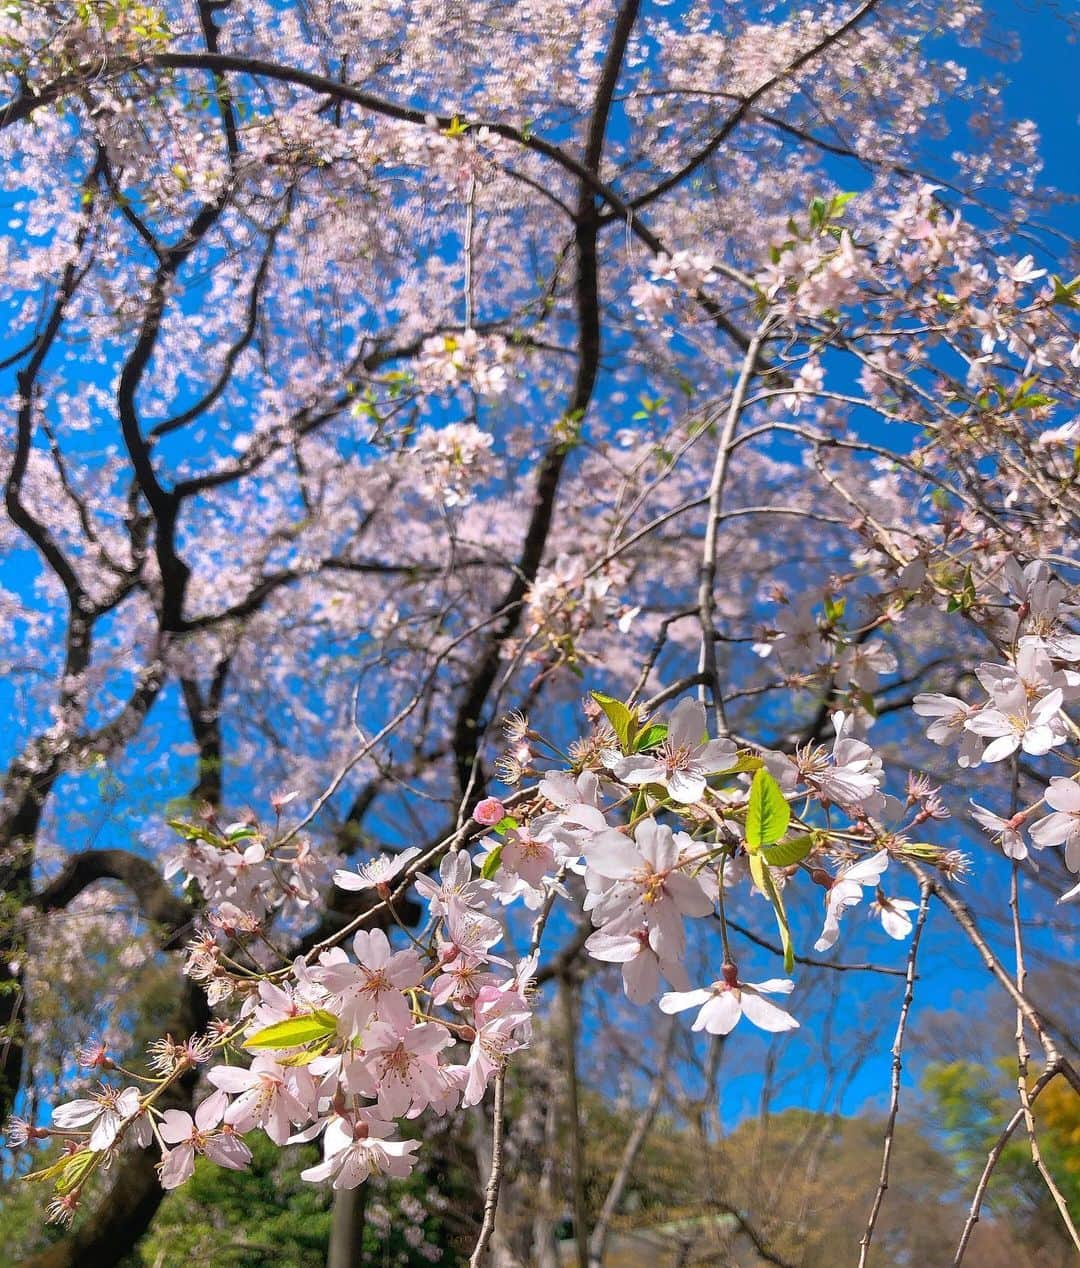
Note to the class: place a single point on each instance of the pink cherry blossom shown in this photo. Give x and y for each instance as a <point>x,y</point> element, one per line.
<point>489,811</point>
<point>1062,827</point>
<point>649,885</point>
<point>641,966</point>
<point>197,1136</point>
<point>104,1114</point>
<point>1005,832</point>
<point>376,872</point>
<point>845,891</point>
<point>267,1096</point>
<point>372,985</point>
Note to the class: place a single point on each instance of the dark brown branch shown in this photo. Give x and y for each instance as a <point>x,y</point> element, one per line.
<point>157,902</point>
<point>204,714</point>
<point>468,731</point>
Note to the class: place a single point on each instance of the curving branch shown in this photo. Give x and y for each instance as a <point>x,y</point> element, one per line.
<point>467,728</point>
<point>157,902</point>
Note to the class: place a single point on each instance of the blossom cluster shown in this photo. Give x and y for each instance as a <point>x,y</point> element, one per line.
<point>1021,712</point>
<point>466,359</point>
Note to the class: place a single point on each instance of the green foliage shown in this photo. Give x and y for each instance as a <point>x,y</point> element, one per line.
<point>785,853</point>
<point>971,1104</point>
<point>266,1217</point>
<point>767,813</point>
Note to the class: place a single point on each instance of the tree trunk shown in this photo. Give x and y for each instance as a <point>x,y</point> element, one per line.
<point>347,1228</point>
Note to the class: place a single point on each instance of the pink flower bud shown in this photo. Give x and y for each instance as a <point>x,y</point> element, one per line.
<point>489,812</point>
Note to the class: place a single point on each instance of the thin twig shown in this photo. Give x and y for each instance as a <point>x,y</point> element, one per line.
<point>707,571</point>
<point>838,966</point>
<point>491,1191</point>
<point>997,1149</point>
<point>573,1114</point>
<point>897,1066</point>
<point>1022,1053</point>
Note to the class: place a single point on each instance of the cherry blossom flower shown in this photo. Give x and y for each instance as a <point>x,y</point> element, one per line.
<point>682,762</point>
<point>853,775</point>
<point>1062,827</point>
<point>641,966</point>
<point>845,891</point>
<point>470,934</point>
<point>94,1055</point>
<point>951,716</point>
<point>723,1003</point>
<point>862,664</point>
<point>893,914</point>
<point>268,1096</point>
<point>191,1136</point>
<point>456,887</point>
<point>359,1147</point>
<point>19,1131</point>
<point>371,987</point>
<point>527,856</point>
<point>376,872</point>
<point>501,1020</point>
<point>104,1114</point>
<point>402,1069</point>
<point>1006,832</point>
<point>798,634</point>
<point>1014,722</point>
<point>489,811</point>
<point>647,885</point>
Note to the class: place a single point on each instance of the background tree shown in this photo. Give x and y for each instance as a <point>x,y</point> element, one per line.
<point>374,372</point>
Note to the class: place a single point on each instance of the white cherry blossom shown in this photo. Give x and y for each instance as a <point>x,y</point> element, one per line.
<point>683,761</point>
<point>722,1004</point>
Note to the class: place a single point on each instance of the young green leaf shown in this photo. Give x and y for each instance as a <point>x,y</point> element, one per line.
<point>745,763</point>
<point>650,737</point>
<point>491,863</point>
<point>787,852</point>
<point>623,719</point>
<point>193,832</point>
<point>764,881</point>
<point>767,813</point>
<point>295,1031</point>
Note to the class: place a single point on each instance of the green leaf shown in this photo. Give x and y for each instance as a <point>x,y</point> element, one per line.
<point>839,202</point>
<point>650,737</point>
<point>76,1169</point>
<point>194,833</point>
<point>623,719</point>
<point>505,824</point>
<point>767,812</point>
<point>306,1055</point>
<point>1065,292</point>
<point>745,763</point>
<point>834,609</point>
<point>764,881</point>
<point>240,833</point>
<point>1031,400</point>
<point>787,852</point>
<point>491,863</point>
<point>295,1031</point>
